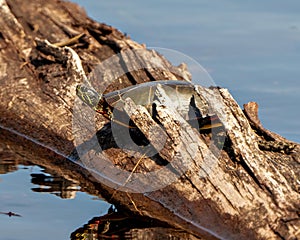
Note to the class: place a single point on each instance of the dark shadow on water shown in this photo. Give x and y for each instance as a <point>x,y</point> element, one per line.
<point>118,225</point>
<point>54,184</point>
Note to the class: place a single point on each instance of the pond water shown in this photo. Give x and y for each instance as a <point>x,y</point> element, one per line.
<point>48,209</point>
<point>251,48</point>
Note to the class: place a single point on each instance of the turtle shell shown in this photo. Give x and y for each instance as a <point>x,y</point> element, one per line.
<point>182,95</point>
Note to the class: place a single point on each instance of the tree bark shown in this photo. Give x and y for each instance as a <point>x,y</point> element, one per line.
<point>249,191</point>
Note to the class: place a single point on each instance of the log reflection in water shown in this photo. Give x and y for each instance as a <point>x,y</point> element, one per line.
<point>118,225</point>
<point>65,182</point>
<point>54,184</point>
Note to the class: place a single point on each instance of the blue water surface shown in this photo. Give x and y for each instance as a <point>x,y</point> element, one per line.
<point>250,47</point>
<point>43,216</point>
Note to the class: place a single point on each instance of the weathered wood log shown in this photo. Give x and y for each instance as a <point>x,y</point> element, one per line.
<point>249,191</point>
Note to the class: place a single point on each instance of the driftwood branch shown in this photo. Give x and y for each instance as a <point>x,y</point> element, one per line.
<point>247,190</point>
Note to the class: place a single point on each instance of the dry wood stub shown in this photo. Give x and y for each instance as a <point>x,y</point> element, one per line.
<point>250,193</point>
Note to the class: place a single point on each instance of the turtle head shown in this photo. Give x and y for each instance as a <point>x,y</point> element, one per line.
<point>94,100</point>
<point>88,96</point>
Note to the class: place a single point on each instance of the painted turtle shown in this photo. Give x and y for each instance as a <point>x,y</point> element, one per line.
<point>181,93</point>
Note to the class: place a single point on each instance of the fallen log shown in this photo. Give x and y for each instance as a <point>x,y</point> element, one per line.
<point>247,190</point>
